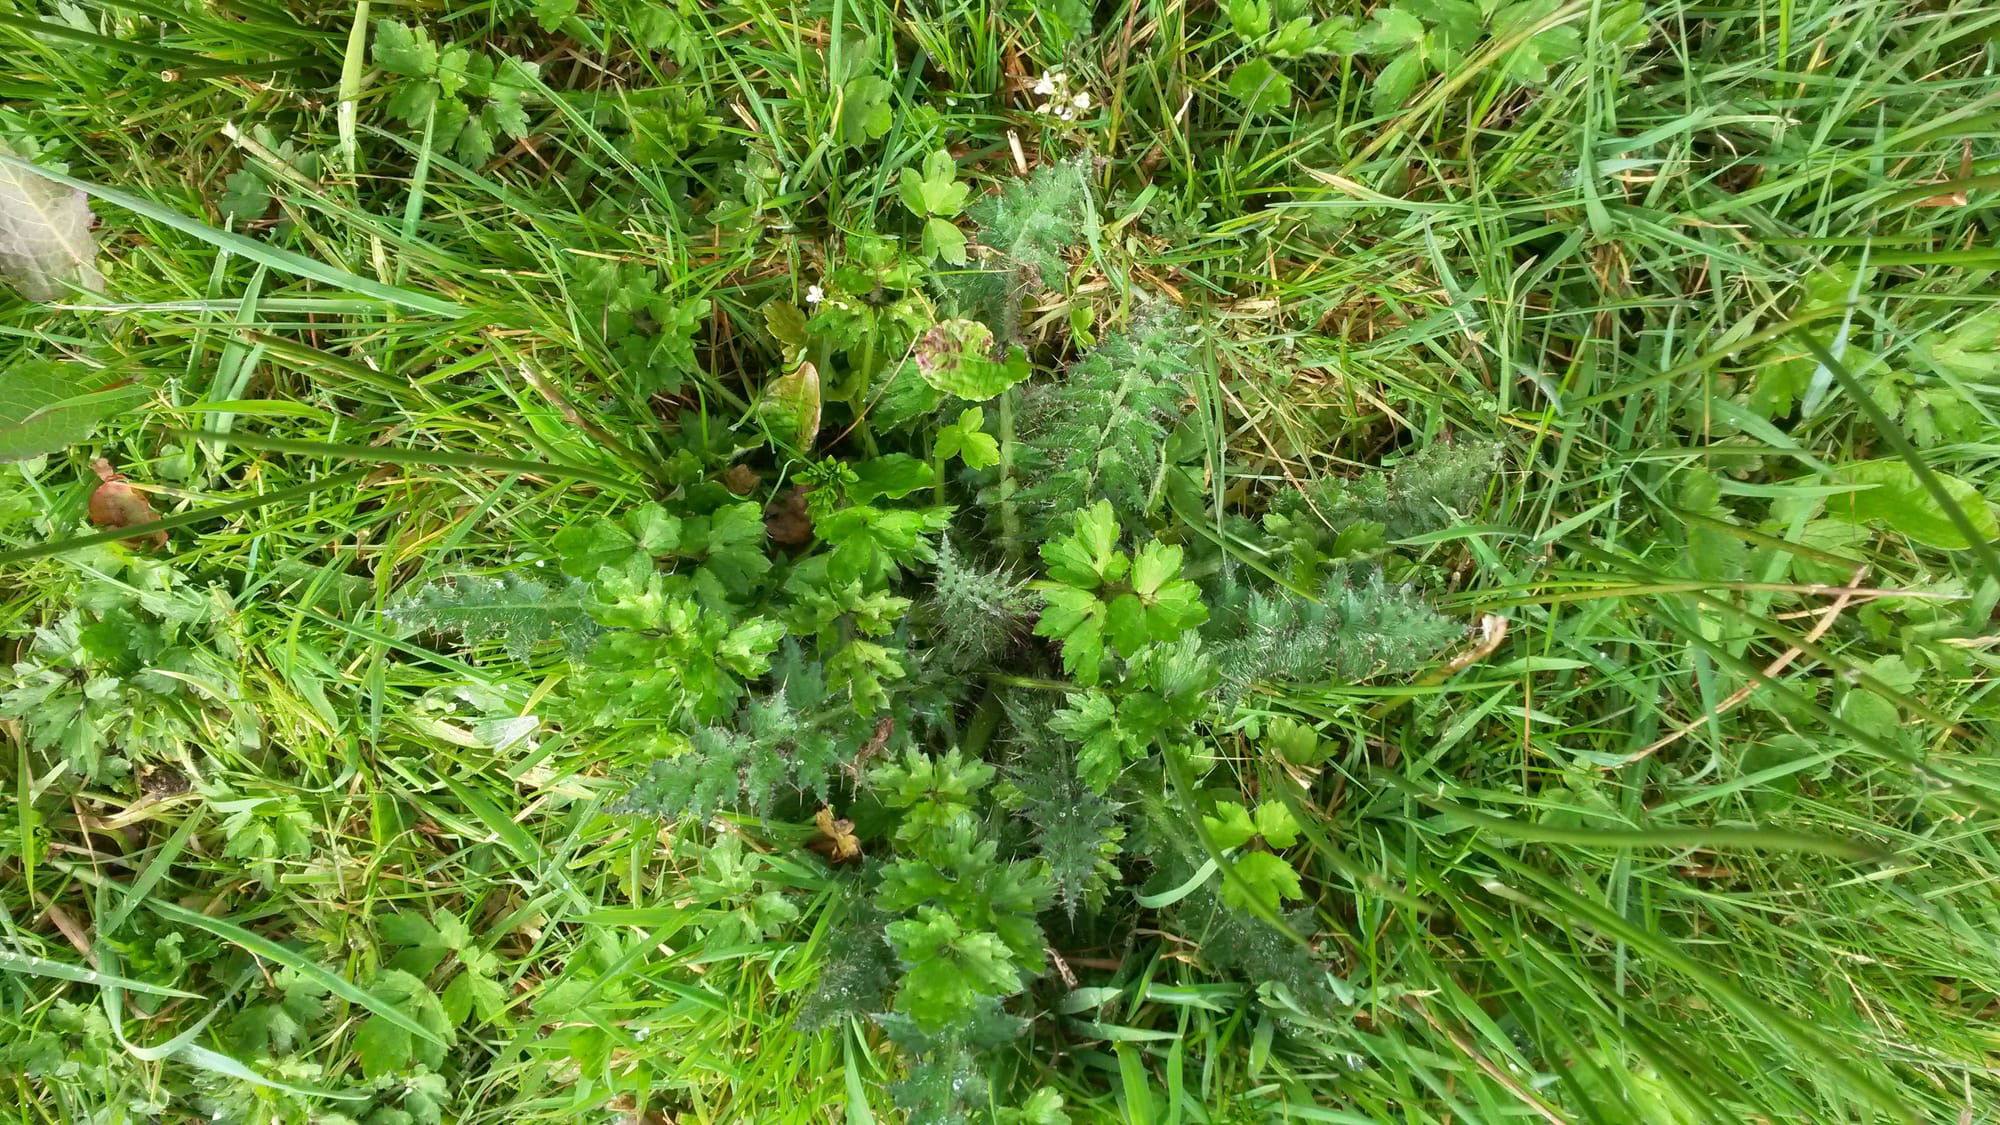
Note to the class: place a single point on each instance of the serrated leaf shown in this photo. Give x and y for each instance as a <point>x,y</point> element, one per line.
<point>512,81</point>
<point>1076,619</point>
<point>518,610</point>
<point>787,325</point>
<point>950,970</point>
<point>45,241</point>
<point>402,49</point>
<point>1276,824</point>
<point>1266,879</point>
<point>47,406</point>
<point>1089,555</point>
<point>245,195</point>
<point>1230,827</point>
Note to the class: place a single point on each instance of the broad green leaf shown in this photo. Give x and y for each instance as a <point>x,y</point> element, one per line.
<point>790,406</point>
<point>966,440</point>
<point>934,191</point>
<point>1398,81</point>
<point>1392,28</point>
<point>891,476</point>
<point>382,1047</point>
<point>1125,624</point>
<point>1260,87</point>
<point>46,406</point>
<point>957,357</point>
<point>864,109</point>
<point>1874,715</point>
<point>944,241</point>
<point>1898,499</point>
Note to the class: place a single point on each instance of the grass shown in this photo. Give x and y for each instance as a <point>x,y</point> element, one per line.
<point>1572,880</point>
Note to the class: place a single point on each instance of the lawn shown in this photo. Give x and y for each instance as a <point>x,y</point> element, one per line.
<point>1019,561</point>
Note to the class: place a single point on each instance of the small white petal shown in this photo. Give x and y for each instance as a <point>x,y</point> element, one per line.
<point>814,294</point>
<point>1081,100</point>
<point>1044,87</point>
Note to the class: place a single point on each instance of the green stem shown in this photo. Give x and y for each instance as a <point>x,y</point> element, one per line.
<point>984,722</point>
<point>1010,520</point>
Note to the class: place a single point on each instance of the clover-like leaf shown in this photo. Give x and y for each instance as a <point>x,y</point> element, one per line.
<point>966,440</point>
<point>864,109</point>
<point>1260,87</point>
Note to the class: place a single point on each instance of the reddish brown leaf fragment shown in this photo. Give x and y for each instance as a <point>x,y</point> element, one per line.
<point>116,504</point>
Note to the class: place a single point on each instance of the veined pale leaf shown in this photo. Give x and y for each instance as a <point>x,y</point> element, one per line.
<point>45,240</point>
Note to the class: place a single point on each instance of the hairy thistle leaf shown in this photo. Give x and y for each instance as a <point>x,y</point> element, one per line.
<point>1351,633</point>
<point>518,610</point>
<point>1099,431</point>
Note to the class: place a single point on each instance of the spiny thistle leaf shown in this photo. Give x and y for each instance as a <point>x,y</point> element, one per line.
<point>771,748</point>
<point>1351,633</point>
<point>974,613</point>
<point>1025,226</point>
<point>519,610</point>
<point>1099,431</point>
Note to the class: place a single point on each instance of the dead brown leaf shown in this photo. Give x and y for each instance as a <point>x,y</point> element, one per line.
<point>116,504</point>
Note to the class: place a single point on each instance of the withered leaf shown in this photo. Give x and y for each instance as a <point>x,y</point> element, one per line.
<point>836,840</point>
<point>786,519</point>
<point>116,504</point>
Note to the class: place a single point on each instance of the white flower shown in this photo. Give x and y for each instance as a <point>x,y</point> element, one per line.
<point>1067,113</point>
<point>1081,100</point>
<point>814,294</point>
<point>1045,86</point>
